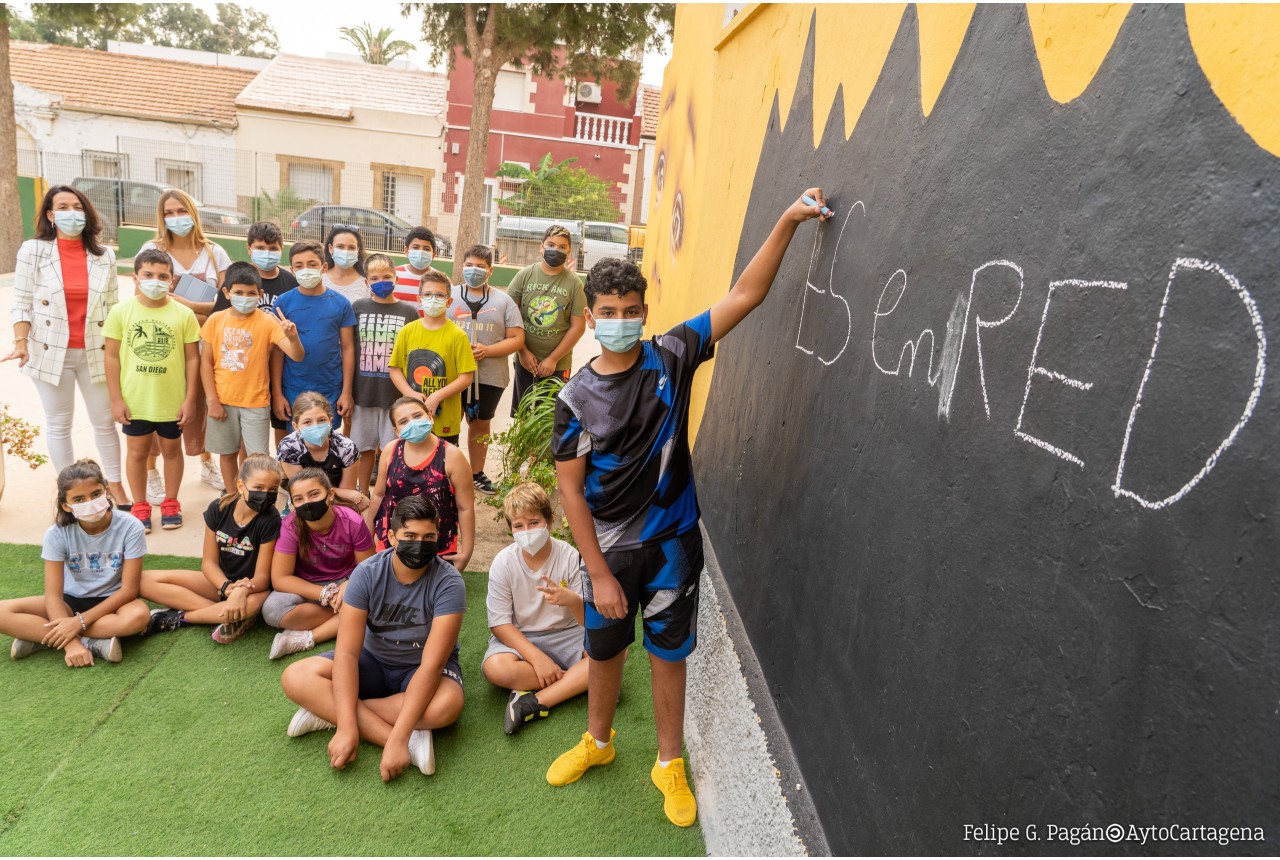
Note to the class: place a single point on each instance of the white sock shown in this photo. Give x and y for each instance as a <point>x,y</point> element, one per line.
<point>151,472</point>
<point>599,744</point>
<point>662,763</point>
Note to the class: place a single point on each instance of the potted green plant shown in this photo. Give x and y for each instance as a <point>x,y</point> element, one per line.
<point>526,449</point>
<point>17,437</point>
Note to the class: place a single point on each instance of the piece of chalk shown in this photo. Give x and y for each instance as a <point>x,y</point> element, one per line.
<point>809,201</point>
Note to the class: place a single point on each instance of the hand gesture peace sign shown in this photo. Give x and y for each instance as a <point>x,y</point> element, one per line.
<point>290,330</point>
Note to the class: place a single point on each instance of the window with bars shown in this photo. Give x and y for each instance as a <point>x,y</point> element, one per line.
<point>104,165</point>
<point>388,192</point>
<point>187,176</point>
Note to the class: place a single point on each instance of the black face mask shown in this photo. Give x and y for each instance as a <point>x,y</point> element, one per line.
<point>415,554</point>
<point>312,511</point>
<point>260,500</point>
<point>554,257</point>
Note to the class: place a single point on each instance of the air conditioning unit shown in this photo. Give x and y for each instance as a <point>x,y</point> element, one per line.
<point>589,93</point>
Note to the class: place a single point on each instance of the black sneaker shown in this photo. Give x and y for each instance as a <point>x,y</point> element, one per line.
<point>521,708</point>
<point>483,484</point>
<point>166,621</point>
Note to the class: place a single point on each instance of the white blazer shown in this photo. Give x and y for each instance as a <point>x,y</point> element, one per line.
<point>38,298</point>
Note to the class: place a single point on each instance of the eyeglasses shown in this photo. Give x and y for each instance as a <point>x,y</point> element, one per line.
<point>353,227</point>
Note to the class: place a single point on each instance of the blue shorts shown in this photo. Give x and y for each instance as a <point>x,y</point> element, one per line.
<point>662,579</point>
<point>163,429</point>
<point>380,681</point>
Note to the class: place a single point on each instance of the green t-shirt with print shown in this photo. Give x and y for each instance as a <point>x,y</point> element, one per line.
<point>547,303</point>
<point>153,358</point>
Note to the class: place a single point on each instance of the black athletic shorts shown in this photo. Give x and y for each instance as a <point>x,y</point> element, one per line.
<point>81,604</point>
<point>660,579</point>
<point>486,403</point>
<point>163,429</point>
<point>379,680</point>
<point>524,380</point>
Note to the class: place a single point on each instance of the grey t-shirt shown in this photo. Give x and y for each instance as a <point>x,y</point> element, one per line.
<point>489,327</point>
<point>92,564</point>
<point>400,615</point>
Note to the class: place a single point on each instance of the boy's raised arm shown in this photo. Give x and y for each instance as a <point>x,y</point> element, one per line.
<point>753,284</point>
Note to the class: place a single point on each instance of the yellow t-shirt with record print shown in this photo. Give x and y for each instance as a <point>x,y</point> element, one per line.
<point>153,361</point>
<point>430,360</point>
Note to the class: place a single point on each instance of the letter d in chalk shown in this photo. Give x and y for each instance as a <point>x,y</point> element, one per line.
<point>1181,264</point>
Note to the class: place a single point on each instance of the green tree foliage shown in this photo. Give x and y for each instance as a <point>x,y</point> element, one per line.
<point>586,41</point>
<point>378,48</point>
<point>237,30</point>
<point>558,191</point>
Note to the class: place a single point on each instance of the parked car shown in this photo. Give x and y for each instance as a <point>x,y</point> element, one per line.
<point>381,231</point>
<point>601,239</point>
<point>133,201</point>
<point>519,238</point>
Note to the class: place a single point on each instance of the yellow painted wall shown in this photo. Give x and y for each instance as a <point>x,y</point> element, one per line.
<point>720,86</point>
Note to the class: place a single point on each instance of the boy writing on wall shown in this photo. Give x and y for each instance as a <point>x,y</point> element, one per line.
<point>621,428</point>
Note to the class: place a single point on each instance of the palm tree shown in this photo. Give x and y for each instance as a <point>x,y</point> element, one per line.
<point>374,47</point>
<point>532,182</point>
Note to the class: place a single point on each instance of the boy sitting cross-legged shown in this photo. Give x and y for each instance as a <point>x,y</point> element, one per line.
<point>535,613</point>
<point>401,612</point>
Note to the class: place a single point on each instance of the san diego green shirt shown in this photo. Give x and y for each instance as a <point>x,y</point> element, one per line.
<point>153,360</point>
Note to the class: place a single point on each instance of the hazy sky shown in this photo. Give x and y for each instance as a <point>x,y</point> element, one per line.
<point>310,28</point>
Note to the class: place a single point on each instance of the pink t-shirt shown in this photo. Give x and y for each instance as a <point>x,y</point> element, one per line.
<point>332,554</point>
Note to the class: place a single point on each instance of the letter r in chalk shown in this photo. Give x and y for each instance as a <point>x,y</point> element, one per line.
<point>1034,370</point>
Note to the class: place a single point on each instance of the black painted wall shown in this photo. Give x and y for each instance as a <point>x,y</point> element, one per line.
<point>961,619</point>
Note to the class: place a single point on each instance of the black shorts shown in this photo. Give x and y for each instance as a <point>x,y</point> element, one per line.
<point>163,429</point>
<point>380,681</point>
<point>486,403</point>
<point>452,440</point>
<point>668,572</point>
<point>524,380</point>
<point>81,604</point>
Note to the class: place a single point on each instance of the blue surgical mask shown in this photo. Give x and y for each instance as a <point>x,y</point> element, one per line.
<point>345,259</point>
<point>619,335</point>
<point>416,430</point>
<point>434,306</point>
<point>180,225</point>
<point>382,289</point>
<point>69,221</point>
<point>265,260</point>
<point>154,289</point>
<point>474,276</point>
<point>244,304</point>
<point>316,434</point>
<point>420,259</point>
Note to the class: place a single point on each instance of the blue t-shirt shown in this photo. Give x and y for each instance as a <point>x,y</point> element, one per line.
<point>400,615</point>
<point>92,564</point>
<point>633,428</point>
<point>320,320</point>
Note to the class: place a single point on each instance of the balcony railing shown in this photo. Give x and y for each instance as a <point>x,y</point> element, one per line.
<point>594,128</point>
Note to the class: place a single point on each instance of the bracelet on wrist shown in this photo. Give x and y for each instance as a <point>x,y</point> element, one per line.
<point>84,628</point>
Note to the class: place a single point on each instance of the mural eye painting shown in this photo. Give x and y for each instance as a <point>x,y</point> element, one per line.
<point>660,173</point>
<point>677,222</point>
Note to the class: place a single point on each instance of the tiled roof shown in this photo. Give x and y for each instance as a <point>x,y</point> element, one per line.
<point>332,88</point>
<point>131,85</point>
<point>652,96</point>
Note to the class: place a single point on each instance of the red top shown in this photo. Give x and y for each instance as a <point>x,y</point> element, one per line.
<point>75,287</point>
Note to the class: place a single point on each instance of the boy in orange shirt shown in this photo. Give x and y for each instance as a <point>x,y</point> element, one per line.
<point>235,366</point>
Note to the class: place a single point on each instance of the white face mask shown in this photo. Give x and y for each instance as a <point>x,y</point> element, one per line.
<point>434,306</point>
<point>308,277</point>
<point>153,289</point>
<point>92,510</point>
<point>532,540</point>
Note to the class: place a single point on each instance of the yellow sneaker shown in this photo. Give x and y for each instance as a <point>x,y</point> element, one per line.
<point>680,807</point>
<point>572,765</point>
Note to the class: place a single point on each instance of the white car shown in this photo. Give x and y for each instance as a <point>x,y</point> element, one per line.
<point>601,239</point>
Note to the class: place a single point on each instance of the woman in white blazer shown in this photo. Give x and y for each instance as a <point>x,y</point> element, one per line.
<point>64,285</point>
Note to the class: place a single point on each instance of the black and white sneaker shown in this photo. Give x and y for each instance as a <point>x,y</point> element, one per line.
<point>166,621</point>
<point>483,484</point>
<point>521,708</point>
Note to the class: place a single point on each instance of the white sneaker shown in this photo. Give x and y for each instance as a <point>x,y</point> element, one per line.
<point>421,751</point>
<point>107,649</point>
<point>23,648</point>
<point>211,474</point>
<point>155,487</point>
<point>291,642</point>
<point>304,723</point>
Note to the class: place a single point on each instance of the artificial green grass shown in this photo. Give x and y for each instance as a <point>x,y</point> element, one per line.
<point>181,750</point>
